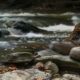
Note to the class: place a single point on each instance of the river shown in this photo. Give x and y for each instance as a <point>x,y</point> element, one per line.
<point>45,20</point>
<point>59,25</point>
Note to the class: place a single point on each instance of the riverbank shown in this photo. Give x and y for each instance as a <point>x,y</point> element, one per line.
<point>57,6</point>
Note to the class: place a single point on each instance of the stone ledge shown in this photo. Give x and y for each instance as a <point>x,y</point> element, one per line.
<point>63,62</point>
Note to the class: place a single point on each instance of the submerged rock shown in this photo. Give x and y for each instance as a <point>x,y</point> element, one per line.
<point>4,33</point>
<point>21,27</point>
<point>35,45</point>
<point>18,57</point>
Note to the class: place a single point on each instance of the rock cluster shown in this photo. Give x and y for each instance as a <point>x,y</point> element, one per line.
<point>24,60</point>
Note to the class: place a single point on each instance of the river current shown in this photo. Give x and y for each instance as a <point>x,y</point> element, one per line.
<point>59,25</point>
<point>47,21</point>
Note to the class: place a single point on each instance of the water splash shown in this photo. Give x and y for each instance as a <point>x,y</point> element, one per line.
<point>29,35</point>
<point>75,19</point>
<point>60,27</point>
<point>34,14</point>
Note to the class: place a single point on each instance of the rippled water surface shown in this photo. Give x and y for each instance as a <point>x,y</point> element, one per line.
<point>45,20</point>
<point>60,25</point>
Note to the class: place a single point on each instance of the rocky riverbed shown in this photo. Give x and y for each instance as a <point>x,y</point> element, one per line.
<point>24,58</point>
<point>31,59</point>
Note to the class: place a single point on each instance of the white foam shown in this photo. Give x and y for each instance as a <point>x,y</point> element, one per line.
<point>5,44</point>
<point>12,19</point>
<point>75,18</point>
<point>25,14</point>
<point>16,14</point>
<point>60,27</point>
<point>29,35</point>
<point>34,14</point>
<point>68,13</point>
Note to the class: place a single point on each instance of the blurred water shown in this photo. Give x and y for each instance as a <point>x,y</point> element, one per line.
<point>60,24</point>
<point>47,21</point>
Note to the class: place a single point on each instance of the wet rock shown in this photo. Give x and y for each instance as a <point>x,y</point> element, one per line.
<point>15,75</point>
<point>39,74</point>
<point>4,33</point>
<point>48,71</point>
<point>63,62</point>
<point>29,74</point>
<point>56,79</point>
<point>11,69</point>
<point>18,57</point>
<point>6,44</point>
<point>51,66</point>
<point>71,76</point>
<point>39,78</point>
<point>39,64</point>
<point>9,23</point>
<point>22,27</point>
<point>35,45</point>
<point>68,77</point>
<point>56,76</point>
<point>47,52</point>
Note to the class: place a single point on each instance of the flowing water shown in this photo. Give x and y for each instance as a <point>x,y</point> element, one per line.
<point>48,21</point>
<point>60,24</point>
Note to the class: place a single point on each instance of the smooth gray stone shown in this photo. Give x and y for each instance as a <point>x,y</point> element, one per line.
<point>15,75</point>
<point>47,52</point>
<point>68,77</point>
<point>64,62</point>
<point>29,74</point>
<point>18,57</point>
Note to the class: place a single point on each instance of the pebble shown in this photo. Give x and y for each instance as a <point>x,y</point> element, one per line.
<point>51,66</point>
